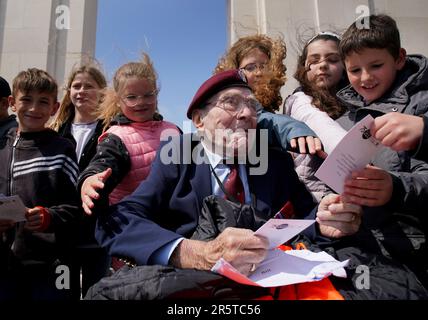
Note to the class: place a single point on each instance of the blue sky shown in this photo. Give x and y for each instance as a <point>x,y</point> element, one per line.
<point>184,38</point>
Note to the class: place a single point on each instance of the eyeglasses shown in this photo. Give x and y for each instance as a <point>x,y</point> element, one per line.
<point>253,67</point>
<point>235,103</point>
<point>132,100</point>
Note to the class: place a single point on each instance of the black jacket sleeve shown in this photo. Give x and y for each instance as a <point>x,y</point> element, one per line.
<point>62,201</point>
<point>111,153</point>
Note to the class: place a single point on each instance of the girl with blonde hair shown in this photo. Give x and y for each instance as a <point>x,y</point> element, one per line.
<point>76,118</point>
<point>127,148</point>
<point>125,151</point>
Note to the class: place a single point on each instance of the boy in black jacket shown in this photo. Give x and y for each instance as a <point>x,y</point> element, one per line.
<point>41,168</point>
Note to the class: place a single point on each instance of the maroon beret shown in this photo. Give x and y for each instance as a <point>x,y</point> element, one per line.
<point>218,82</point>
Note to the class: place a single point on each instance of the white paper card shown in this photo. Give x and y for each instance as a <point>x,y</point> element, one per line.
<point>352,153</point>
<point>282,268</point>
<point>12,208</point>
<point>279,231</point>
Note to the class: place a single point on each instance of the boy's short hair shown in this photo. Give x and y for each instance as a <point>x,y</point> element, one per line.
<point>35,79</point>
<point>381,33</point>
<point>4,88</point>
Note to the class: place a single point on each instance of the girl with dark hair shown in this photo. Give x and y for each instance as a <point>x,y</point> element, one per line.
<point>320,72</point>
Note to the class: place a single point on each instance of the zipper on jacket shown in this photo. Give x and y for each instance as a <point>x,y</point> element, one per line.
<point>12,162</point>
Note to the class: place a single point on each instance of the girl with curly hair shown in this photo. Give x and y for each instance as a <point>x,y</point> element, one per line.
<point>261,60</point>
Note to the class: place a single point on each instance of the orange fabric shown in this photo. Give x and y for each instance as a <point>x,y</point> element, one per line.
<point>284,247</point>
<point>317,290</point>
<point>287,292</point>
<point>300,246</point>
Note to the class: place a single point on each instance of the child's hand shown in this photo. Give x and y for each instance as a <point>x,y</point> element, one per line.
<point>5,225</point>
<point>314,145</point>
<point>38,219</point>
<point>90,187</point>
<point>370,187</point>
<point>398,131</point>
<point>337,218</point>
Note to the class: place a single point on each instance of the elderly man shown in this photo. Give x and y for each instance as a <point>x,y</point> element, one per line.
<point>155,223</point>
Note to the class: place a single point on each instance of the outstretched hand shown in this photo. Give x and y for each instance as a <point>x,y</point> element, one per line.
<point>309,144</point>
<point>88,192</point>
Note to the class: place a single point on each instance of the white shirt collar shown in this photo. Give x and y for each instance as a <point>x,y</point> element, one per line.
<point>212,157</point>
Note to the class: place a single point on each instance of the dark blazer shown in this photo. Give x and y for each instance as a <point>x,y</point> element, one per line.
<point>167,204</point>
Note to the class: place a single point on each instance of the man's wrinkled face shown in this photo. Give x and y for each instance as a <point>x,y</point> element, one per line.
<point>226,120</point>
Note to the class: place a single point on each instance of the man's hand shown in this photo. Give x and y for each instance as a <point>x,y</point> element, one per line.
<point>336,218</point>
<point>5,225</point>
<point>314,146</point>
<point>370,187</point>
<point>400,132</point>
<point>240,247</point>
<point>88,192</point>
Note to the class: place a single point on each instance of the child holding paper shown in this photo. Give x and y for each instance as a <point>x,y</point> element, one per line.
<point>40,167</point>
<point>385,80</point>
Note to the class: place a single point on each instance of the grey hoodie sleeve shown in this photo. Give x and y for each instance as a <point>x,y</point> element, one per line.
<point>410,192</point>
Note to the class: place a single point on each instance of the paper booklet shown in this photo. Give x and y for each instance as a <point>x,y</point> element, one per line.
<point>12,208</point>
<point>285,267</point>
<point>352,153</point>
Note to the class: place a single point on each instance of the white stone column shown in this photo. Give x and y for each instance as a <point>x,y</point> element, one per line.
<point>48,34</point>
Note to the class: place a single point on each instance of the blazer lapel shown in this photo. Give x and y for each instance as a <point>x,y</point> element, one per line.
<point>201,180</point>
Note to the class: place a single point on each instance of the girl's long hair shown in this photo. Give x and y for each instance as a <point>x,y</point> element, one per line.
<point>324,99</point>
<point>66,108</point>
